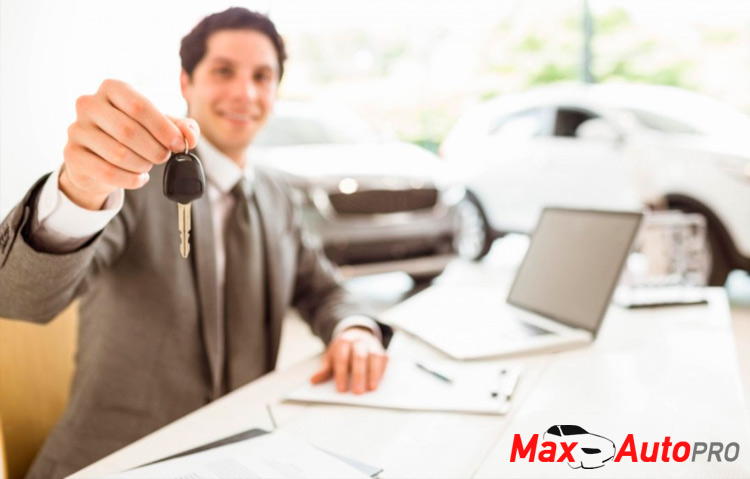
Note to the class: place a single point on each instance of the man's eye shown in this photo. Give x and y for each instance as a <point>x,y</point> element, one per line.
<point>263,77</point>
<point>223,72</point>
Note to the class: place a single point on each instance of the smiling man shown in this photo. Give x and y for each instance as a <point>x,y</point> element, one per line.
<point>161,336</point>
<point>229,111</point>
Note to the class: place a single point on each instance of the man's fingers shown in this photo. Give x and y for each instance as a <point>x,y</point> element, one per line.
<point>93,170</point>
<point>321,376</point>
<point>130,133</point>
<point>189,128</point>
<point>117,137</point>
<point>341,354</point>
<point>140,109</point>
<point>378,362</point>
<point>360,362</point>
<point>109,149</point>
<point>324,373</point>
<point>359,366</point>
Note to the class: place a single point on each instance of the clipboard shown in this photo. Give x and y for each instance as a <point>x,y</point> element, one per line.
<point>434,385</point>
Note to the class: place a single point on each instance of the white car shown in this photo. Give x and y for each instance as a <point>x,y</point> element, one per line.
<point>591,452</point>
<point>610,146</point>
<point>373,205</point>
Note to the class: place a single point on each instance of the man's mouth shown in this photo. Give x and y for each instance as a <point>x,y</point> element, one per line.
<point>238,117</point>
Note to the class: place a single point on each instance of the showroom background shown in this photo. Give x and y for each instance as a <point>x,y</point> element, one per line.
<point>409,67</point>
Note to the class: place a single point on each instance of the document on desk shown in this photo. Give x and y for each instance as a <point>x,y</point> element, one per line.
<point>484,388</point>
<point>274,455</point>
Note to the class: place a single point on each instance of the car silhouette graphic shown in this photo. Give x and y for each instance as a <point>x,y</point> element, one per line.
<point>591,452</point>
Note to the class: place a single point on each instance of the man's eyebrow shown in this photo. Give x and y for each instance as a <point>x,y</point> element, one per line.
<point>221,60</point>
<point>224,60</point>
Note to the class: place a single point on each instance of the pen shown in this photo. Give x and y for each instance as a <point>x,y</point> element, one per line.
<point>442,377</point>
<point>270,415</point>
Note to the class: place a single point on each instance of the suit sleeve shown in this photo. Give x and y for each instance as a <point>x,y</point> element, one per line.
<point>37,285</point>
<point>60,226</point>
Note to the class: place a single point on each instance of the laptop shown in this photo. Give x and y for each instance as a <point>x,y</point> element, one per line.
<point>558,299</point>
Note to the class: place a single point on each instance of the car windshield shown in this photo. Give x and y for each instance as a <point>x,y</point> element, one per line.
<point>572,430</point>
<point>305,129</point>
<point>524,124</point>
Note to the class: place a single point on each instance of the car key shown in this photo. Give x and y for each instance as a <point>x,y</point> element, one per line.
<point>184,182</point>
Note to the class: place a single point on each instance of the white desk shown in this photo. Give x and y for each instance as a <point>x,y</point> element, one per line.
<point>652,373</point>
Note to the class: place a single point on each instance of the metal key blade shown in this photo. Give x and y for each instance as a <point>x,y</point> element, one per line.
<point>183,214</point>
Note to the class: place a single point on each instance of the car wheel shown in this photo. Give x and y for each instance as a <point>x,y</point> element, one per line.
<point>474,236</point>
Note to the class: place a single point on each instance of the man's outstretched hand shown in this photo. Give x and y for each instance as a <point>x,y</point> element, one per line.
<point>355,359</point>
<point>118,136</point>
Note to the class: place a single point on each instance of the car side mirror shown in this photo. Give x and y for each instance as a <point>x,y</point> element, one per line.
<point>597,129</point>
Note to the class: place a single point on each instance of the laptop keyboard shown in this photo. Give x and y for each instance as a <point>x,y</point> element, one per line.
<point>505,327</point>
<point>532,330</point>
<point>437,316</point>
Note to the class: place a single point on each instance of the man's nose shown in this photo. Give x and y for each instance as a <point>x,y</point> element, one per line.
<point>244,89</point>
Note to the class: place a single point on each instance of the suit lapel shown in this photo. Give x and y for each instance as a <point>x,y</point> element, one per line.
<point>204,259</point>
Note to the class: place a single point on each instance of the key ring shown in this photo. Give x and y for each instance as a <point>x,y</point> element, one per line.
<point>186,146</point>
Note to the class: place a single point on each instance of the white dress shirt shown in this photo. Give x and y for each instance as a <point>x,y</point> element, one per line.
<point>61,226</point>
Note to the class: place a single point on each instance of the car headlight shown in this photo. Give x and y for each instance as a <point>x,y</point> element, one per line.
<point>348,186</point>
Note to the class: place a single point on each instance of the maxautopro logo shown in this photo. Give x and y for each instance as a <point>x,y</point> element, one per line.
<point>570,444</point>
<point>579,448</point>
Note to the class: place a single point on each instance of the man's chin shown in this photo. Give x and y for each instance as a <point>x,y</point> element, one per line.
<point>239,136</point>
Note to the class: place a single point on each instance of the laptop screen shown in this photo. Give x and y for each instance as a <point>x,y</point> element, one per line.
<point>573,264</point>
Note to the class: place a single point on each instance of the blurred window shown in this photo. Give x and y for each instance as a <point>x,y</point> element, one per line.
<point>288,130</point>
<point>522,125</point>
<point>572,430</point>
<point>662,123</point>
<point>568,120</point>
<point>554,431</point>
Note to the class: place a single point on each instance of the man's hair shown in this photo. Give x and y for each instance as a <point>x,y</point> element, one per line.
<point>193,46</point>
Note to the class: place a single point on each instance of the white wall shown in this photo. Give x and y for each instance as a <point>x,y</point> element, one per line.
<point>51,52</point>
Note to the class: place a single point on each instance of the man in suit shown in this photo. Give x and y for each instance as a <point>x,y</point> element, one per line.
<point>161,336</point>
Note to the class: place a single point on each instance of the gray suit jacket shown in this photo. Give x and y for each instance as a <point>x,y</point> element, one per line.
<point>151,343</point>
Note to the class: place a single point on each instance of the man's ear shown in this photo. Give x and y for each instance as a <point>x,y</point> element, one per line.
<point>184,83</point>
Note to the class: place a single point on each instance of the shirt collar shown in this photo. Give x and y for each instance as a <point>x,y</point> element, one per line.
<point>220,169</point>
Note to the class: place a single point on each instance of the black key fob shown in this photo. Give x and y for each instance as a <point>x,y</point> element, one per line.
<point>184,179</point>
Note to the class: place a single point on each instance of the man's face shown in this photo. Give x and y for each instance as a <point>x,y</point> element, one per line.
<point>233,88</point>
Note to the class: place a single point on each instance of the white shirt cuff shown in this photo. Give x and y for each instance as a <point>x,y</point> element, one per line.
<point>362,321</point>
<point>61,226</point>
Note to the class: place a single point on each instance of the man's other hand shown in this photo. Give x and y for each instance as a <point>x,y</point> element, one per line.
<point>355,358</point>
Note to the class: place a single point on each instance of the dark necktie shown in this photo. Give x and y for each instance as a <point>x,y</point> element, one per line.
<point>244,292</point>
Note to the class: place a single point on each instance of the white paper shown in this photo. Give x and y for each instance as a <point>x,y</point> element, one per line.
<point>274,455</point>
<point>405,386</point>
